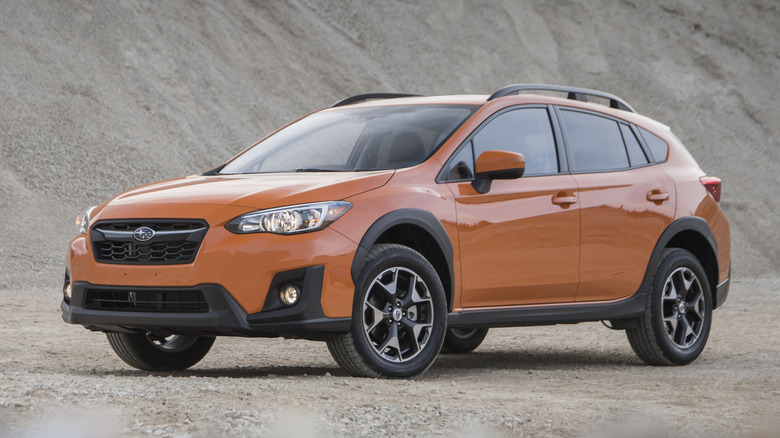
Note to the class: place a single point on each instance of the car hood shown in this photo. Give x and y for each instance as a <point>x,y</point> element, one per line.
<point>256,191</point>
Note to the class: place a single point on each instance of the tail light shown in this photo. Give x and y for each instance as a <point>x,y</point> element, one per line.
<point>712,184</point>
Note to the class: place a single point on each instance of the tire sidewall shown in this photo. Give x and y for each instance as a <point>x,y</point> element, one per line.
<point>455,343</point>
<point>674,260</point>
<point>401,257</point>
<point>138,351</point>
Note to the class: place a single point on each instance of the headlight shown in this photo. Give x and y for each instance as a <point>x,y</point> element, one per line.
<point>82,220</point>
<point>289,220</point>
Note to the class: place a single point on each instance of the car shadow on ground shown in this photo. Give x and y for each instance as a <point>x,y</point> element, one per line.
<point>237,372</point>
<point>446,363</point>
<point>535,360</point>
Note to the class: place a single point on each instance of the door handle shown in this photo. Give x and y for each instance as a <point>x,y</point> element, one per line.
<point>657,196</point>
<point>564,200</point>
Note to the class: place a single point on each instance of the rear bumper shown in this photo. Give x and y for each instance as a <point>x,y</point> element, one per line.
<point>224,316</point>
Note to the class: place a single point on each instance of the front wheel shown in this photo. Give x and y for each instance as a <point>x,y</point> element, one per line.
<point>678,312</point>
<point>152,353</point>
<point>399,316</point>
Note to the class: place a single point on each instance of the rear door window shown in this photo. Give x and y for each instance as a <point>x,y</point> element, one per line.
<point>594,142</point>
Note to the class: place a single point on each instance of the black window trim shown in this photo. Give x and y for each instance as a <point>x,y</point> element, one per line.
<point>645,147</point>
<point>642,146</point>
<point>441,178</point>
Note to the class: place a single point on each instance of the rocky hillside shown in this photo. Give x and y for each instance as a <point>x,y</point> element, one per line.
<point>96,97</point>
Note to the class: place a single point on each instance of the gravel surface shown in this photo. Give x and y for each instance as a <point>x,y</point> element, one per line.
<point>582,380</point>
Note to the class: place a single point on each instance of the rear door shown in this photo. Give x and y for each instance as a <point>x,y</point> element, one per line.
<point>626,202</point>
<point>520,241</point>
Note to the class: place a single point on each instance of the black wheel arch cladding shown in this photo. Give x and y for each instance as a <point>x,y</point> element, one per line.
<point>679,234</point>
<point>420,219</point>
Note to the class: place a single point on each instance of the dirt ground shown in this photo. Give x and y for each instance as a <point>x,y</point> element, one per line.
<point>58,380</point>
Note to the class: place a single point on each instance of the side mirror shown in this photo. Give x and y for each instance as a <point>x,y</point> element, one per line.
<point>497,165</point>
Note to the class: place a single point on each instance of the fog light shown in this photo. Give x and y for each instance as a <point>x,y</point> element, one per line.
<point>290,294</point>
<point>67,289</point>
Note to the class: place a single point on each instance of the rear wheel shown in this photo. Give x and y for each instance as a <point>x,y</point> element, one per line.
<point>678,312</point>
<point>399,316</point>
<point>463,340</point>
<point>151,353</point>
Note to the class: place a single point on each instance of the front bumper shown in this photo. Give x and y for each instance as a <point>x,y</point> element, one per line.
<point>224,317</point>
<point>243,264</point>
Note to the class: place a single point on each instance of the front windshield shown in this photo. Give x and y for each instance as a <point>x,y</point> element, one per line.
<point>344,140</point>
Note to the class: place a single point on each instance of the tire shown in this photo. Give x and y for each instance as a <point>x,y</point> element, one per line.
<point>463,340</point>
<point>678,312</point>
<point>393,339</point>
<point>176,352</point>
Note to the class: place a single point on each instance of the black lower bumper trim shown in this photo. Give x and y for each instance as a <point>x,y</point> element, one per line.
<point>722,291</point>
<point>224,317</point>
<point>629,308</point>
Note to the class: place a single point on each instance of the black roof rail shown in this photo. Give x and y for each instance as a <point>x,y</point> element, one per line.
<point>573,93</point>
<point>369,96</point>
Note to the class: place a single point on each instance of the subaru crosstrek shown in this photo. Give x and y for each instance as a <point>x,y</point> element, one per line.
<point>395,227</point>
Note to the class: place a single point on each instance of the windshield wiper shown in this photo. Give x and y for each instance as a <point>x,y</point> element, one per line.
<point>317,169</point>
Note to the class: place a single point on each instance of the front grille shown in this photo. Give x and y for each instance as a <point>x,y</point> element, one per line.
<point>174,241</point>
<point>172,301</point>
<point>177,251</point>
<point>166,225</point>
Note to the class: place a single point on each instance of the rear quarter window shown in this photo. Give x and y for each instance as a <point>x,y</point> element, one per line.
<point>657,145</point>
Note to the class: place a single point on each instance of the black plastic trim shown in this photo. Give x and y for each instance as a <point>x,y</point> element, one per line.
<point>481,185</point>
<point>65,285</point>
<point>224,318</point>
<point>363,97</point>
<point>573,93</point>
<point>722,291</point>
<point>96,234</point>
<point>560,146</point>
<point>421,218</point>
<point>309,306</point>
<point>690,223</point>
<point>629,308</point>
<point>643,144</point>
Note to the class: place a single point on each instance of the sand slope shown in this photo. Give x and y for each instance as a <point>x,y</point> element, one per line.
<point>96,97</point>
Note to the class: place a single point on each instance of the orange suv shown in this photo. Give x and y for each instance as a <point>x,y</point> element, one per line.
<point>394,227</point>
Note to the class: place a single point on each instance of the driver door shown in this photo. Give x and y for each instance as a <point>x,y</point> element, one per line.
<point>519,241</point>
